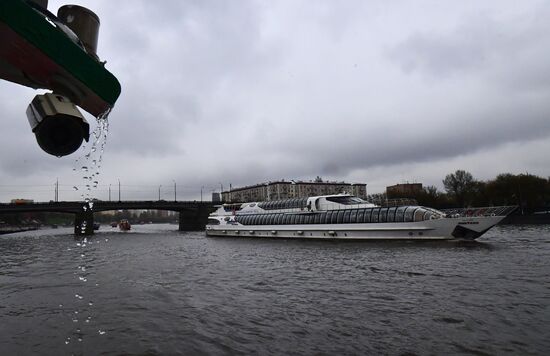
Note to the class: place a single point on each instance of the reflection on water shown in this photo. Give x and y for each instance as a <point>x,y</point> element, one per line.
<point>158,291</point>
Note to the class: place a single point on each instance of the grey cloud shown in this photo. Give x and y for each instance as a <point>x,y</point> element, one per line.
<point>478,44</point>
<point>248,91</point>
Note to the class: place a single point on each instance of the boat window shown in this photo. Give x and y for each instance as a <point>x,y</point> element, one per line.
<point>328,217</point>
<point>346,216</point>
<point>277,219</point>
<point>418,214</point>
<point>368,215</point>
<point>241,219</point>
<point>340,217</point>
<point>427,215</point>
<point>383,217</point>
<point>291,219</point>
<point>409,213</point>
<point>213,222</point>
<point>400,213</point>
<point>316,218</point>
<point>374,215</point>
<point>346,200</point>
<point>320,218</point>
<point>360,215</point>
<point>391,214</point>
<point>268,219</point>
<point>288,219</point>
<point>299,219</point>
<point>334,217</point>
<point>353,216</point>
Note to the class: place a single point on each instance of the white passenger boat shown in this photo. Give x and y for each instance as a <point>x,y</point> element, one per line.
<point>347,217</point>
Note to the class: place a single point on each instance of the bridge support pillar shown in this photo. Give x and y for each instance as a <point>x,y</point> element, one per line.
<point>193,220</point>
<point>84,223</point>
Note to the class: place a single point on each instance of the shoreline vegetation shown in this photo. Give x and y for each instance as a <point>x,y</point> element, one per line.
<point>529,192</point>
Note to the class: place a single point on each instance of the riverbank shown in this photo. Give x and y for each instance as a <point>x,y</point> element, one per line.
<point>13,229</point>
<point>531,219</point>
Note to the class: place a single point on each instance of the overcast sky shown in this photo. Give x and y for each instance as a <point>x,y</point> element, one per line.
<point>242,92</point>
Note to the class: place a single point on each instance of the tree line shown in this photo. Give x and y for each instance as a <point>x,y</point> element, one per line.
<point>530,192</point>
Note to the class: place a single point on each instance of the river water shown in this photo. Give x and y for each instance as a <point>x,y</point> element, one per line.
<point>159,291</point>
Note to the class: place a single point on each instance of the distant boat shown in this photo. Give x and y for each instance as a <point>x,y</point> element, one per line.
<point>124,225</point>
<point>96,226</point>
<point>114,224</point>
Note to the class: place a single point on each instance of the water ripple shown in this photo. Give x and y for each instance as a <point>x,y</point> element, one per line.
<point>157,291</point>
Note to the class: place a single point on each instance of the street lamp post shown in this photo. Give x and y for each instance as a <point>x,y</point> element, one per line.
<point>159,191</point>
<point>175,196</point>
<point>109,192</point>
<point>119,190</point>
<point>201,192</point>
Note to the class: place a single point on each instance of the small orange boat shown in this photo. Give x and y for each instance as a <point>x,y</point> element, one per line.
<point>124,225</point>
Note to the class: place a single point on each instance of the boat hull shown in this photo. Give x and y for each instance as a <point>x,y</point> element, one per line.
<point>439,229</point>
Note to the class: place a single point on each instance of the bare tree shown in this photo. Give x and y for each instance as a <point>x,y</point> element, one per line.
<point>459,185</point>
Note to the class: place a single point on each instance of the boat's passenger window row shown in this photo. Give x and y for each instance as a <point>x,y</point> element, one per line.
<point>348,216</point>
<point>284,204</point>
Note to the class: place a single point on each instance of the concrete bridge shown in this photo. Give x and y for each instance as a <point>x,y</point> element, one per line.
<point>192,215</point>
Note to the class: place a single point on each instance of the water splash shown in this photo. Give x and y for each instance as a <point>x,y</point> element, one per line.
<point>88,164</point>
<point>87,167</point>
